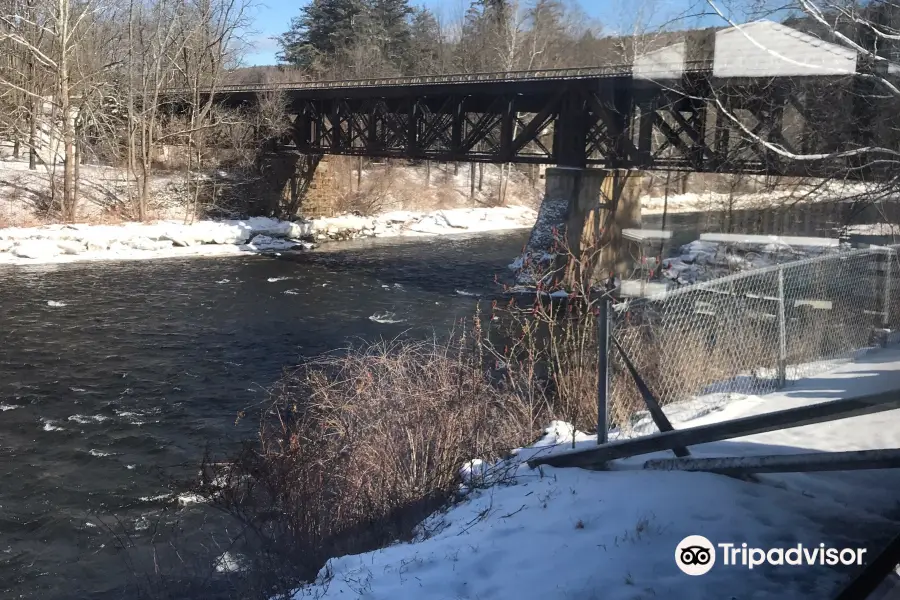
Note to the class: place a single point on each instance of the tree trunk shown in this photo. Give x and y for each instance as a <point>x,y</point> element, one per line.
<point>32,139</point>
<point>76,176</point>
<point>69,164</point>
<point>36,108</point>
<point>65,100</point>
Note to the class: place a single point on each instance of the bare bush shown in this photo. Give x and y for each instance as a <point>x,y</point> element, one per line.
<point>372,199</point>
<point>548,348</point>
<point>358,448</point>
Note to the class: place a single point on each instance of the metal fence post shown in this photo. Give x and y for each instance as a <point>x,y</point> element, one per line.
<point>889,267</point>
<point>603,372</point>
<point>782,332</point>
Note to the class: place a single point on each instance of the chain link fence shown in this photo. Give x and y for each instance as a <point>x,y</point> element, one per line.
<point>752,332</point>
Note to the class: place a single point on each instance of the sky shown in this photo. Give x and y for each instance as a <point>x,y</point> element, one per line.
<point>273,17</point>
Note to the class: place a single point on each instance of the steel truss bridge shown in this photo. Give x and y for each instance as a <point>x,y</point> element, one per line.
<point>683,118</point>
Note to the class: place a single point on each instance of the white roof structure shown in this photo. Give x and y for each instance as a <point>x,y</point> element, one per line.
<point>758,49</point>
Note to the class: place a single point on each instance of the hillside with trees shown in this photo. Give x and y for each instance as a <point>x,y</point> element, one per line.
<point>362,38</point>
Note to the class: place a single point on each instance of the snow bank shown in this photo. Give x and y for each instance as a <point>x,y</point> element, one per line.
<point>572,533</point>
<point>833,191</point>
<point>406,223</point>
<point>67,243</point>
<point>875,229</point>
<point>702,260</point>
<point>168,239</point>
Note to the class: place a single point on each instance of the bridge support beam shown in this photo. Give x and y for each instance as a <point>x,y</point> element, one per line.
<point>578,232</point>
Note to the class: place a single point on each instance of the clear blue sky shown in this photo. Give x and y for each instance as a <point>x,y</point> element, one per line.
<point>273,17</point>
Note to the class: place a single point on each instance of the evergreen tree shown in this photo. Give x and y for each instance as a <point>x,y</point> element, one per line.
<point>390,29</point>
<point>363,37</point>
<point>425,45</point>
<point>548,43</point>
<point>471,53</point>
<point>322,30</point>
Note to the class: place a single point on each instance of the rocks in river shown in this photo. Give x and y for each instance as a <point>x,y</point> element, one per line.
<point>266,242</point>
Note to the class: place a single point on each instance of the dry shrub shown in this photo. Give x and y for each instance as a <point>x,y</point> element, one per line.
<point>681,354</point>
<point>358,447</point>
<point>375,195</point>
<point>548,347</point>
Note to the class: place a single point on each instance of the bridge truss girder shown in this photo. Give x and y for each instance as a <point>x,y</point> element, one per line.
<point>693,124</point>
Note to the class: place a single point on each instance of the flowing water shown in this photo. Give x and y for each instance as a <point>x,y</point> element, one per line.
<point>115,376</point>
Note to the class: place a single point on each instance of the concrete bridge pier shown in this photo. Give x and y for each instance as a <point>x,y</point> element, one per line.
<point>285,180</point>
<point>578,232</point>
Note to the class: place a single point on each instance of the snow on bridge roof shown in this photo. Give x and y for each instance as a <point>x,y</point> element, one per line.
<point>758,49</point>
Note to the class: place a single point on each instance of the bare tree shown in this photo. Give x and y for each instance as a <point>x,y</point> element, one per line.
<point>154,45</point>
<point>209,39</point>
<point>52,37</point>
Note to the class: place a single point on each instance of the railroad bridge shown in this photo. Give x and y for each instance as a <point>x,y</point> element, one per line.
<point>720,102</point>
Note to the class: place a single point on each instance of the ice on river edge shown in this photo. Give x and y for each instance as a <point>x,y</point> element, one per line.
<point>170,239</point>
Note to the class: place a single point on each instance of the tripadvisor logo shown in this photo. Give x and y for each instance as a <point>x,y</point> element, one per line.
<point>696,555</point>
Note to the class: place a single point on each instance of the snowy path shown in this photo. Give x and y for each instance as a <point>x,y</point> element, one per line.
<point>571,533</point>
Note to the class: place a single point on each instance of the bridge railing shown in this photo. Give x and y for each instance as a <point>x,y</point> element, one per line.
<point>596,72</point>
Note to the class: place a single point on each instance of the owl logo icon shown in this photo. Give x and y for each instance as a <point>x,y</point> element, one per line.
<point>695,555</point>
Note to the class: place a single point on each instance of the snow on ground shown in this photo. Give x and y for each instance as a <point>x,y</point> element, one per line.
<point>167,239</point>
<point>25,194</point>
<point>786,195</point>
<point>570,533</point>
<point>876,229</point>
<point>702,260</point>
<point>407,223</point>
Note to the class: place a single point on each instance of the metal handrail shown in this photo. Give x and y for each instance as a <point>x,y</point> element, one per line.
<point>497,76</point>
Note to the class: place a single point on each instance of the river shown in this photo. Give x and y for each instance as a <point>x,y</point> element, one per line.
<point>115,377</point>
<point>107,398</point>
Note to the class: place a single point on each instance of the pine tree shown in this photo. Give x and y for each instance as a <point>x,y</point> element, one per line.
<point>426,44</point>
<point>323,29</point>
<point>548,43</point>
<point>485,41</point>
<point>390,29</point>
<point>363,37</point>
<point>471,53</point>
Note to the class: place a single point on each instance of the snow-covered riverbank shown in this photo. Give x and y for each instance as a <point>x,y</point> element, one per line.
<point>573,533</point>
<point>170,239</point>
